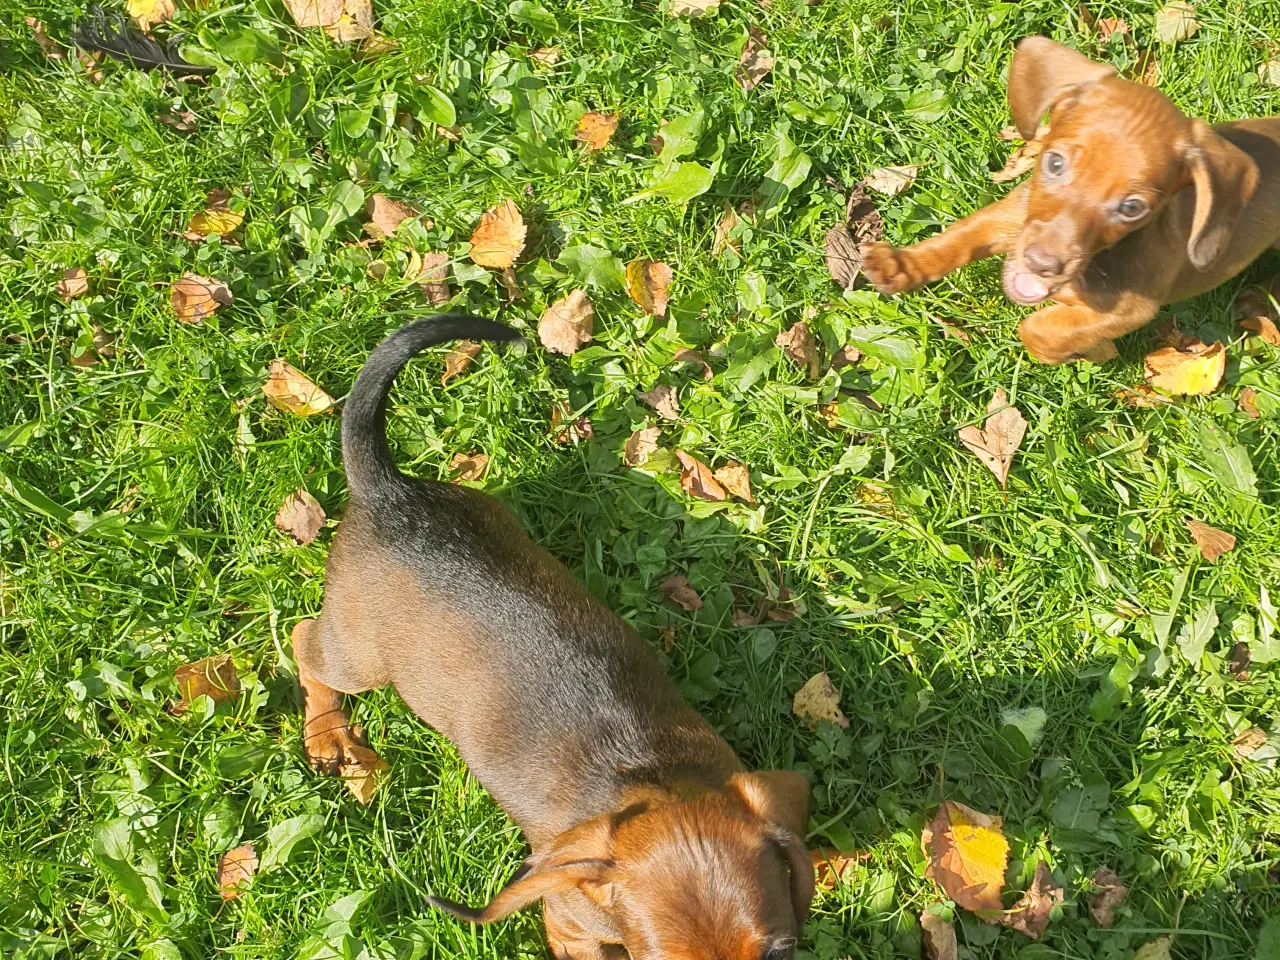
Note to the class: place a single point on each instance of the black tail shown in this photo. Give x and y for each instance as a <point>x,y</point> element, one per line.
<point>365,454</point>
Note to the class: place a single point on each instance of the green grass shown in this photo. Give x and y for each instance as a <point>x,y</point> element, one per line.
<point>137,495</point>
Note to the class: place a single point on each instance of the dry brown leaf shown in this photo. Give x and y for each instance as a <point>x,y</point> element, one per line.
<point>640,446</point>
<point>595,130</point>
<point>756,61</point>
<point>566,326</point>
<point>362,772</point>
<point>565,428</point>
<point>235,871</point>
<point>799,345</point>
<point>844,259</point>
<point>891,181</point>
<point>1268,71</point>
<point>1109,27</point>
<point>1030,915</point>
<point>1191,370</point>
<point>938,938</point>
<point>1108,894</point>
<point>48,46</point>
<point>697,480</point>
<point>968,855</point>
<point>1145,69</point>
<point>452,134</point>
<point>1022,159</point>
<point>74,283</point>
<point>1256,312</point>
<point>736,479</point>
<point>1212,542</point>
<point>1263,326</point>
<point>91,64</point>
<point>1142,397</point>
<point>669,638</point>
<point>147,13</point>
<point>183,122</point>
<point>376,45</point>
<point>648,283</point>
<point>300,516</point>
<point>846,356</point>
<point>678,590</point>
<point>1249,742</point>
<point>685,355</point>
<point>195,298</point>
<point>1238,665</point>
<point>433,281</point>
<point>953,332</point>
<point>212,677</point>
<point>741,618</point>
<point>499,238</point>
<point>818,700</point>
<point>342,20</point>
<point>693,8</point>
<point>289,389</point>
<point>458,359</point>
<point>998,439</point>
<point>468,466</point>
<point>547,56</point>
<point>1248,402</point>
<point>663,399</point>
<point>104,348</point>
<point>831,865</point>
<point>723,240</point>
<point>386,215</point>
<point>217,217</point>
<point>1176,22</point>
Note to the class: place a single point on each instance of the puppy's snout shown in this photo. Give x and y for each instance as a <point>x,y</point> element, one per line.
<point>1042,262</point>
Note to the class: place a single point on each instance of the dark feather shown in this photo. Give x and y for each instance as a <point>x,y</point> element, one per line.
<point>115,35</point>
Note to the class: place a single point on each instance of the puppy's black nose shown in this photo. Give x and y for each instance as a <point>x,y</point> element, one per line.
<point>1042,262</point>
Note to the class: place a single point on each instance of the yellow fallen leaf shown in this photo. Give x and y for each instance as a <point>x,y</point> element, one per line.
<point>213,677</point>
<point>288,388</point>
<point>723,239</point>
<point>736,478</point>
<point>1023,159</point>
<point>648,282</point>
<point>547,56</point>
<point>998,439</point>
<point>499,238</point>
<point>48,46</point>
<point>195,298</point>
<point>1176,21</point>
<point>1109,893</point>
<point>968,855</point>
<point>235,871</point>
<point>1212,542</point>
<point>147,13</point>
<point>342,20</point>
<point>1191,370</point>
<point>362,772</point>
<point>818,700</point>
<point>566,326</point>
<point>830,864</point>
<point>217,217</point>
<point>468,466</point>
<point>891,181</point>
<point>1249,742</point>
<point>596,129</point>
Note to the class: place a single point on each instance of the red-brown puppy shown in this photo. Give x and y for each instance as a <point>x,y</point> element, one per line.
<point>648,837</point>
<point>1133,205</point>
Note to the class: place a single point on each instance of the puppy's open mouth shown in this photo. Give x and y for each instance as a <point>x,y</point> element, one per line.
<point>1024,287</point>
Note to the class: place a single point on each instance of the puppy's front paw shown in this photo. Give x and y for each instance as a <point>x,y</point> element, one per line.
<point>334,745</point>
<point>890,269</point>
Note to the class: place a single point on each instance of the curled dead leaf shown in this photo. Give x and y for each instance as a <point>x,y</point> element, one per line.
<point>1030,915</point>
<point>104,348</point>
<point>48,46</point>
<point>756,61</point>
<point>300,516</point>
<point>818,700</point>
<point>1109,27</point>
<point>595,130</point>
<point>1022,159</point>
<point>565,428</point>
<point>148,13</point>
<point>736,479</point>
<point>1256,312</point>
<point>640,446</point>
<point>433,281</point>
<point>891,181</point>
<point>968,855</point>
<point>830,865</point>
<point>386,215</point>
<point>843,257</point>
<point>648,283</point>
<point>235,871</point>
<point>846,356</point>
<point>217,217</point>
<point>362,772</point>
<point>499,238</point>
<point>1145,69</point>
<point>1108,893</point>
<point>723,239</point>
<point>679,591</point>
<point>74,283</point>
<point>938,938</point>
<point>697,480</point>
<point>799,345</point>
<point>685,355</point>
<point>458,359</point>
<point>1248,402</point>
<point>1193,369</point>
<point>1212,542</point>
<point>288,388</point>
<point>184,121</point>
<point>213,677</point>
<point>195,298</point>
<point>566,326</point>
<point>468,466</point>
<point>1249,742</point>
<point>663,399</point>
<point>998,439</point>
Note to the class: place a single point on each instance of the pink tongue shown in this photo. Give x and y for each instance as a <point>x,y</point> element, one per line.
<point>1029,287</point>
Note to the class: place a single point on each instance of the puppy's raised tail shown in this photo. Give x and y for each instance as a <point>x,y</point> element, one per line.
<point>365,454</point>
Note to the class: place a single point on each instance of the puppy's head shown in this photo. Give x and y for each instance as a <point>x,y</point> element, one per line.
<point>724,876</point>
<point>1115,154</point>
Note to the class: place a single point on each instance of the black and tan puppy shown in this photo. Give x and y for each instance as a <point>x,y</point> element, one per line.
<point>648,837</point>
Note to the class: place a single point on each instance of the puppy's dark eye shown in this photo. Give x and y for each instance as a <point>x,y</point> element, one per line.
<point>1132,208</point>
<point>1055,164</point>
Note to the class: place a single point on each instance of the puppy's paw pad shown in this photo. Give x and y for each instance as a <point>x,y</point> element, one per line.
<point>888,268</point>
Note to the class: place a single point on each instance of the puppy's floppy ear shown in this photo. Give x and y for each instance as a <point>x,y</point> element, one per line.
<point>1041,72</point>
<point>580,856</point>
<point>781,797</point>
<point>1225,178</point>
